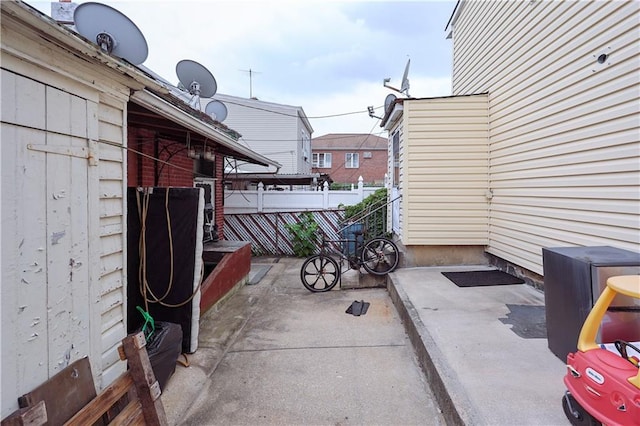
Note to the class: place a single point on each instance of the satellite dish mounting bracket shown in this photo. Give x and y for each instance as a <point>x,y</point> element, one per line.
<point>106,42</point>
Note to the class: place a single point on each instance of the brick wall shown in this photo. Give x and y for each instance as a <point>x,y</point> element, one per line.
<point>143,170</point>
<point>371,169</point>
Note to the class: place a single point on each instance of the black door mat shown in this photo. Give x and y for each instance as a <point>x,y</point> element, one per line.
<point>481,278</point>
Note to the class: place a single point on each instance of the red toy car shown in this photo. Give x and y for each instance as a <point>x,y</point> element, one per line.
<point>603,381</point>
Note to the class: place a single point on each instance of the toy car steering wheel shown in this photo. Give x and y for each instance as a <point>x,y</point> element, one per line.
<point>621,346</point>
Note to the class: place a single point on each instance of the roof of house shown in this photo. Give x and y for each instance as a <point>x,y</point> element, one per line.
<point>280,179</point>
<point>256,103</point>
<point>349,141</point>
<point>149,91</point>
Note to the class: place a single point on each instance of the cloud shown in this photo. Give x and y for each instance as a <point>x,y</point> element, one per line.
<point>329,57</point>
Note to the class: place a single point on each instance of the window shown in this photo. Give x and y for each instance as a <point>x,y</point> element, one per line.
<point>305,146</point>
<point>395,142</point>
<point>322,160</point>
<point>351,160</point>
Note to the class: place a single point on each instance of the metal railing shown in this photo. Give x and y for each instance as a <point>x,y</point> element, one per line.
<point>373,220</point>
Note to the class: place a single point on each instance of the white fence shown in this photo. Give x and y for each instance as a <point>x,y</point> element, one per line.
<point>261,201</point>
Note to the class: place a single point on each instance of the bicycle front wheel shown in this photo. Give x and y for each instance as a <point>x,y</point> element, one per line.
<point>380,256</point>
<point>319,273</point>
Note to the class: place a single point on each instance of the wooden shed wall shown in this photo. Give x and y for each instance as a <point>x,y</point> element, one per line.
<point>564,147</point>
<point>62,208</point>
<point>112,217</point>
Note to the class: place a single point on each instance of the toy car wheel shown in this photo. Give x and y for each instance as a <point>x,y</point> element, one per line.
<point>577,415</point>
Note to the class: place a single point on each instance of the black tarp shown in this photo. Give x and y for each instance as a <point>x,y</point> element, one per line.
<point>183,205</point>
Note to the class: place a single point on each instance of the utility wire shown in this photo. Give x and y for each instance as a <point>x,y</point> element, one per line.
<point>295,115</point>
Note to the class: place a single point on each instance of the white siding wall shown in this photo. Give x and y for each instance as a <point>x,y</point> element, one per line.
<point>564,146</point>
<point>62,215</point>
<point>112,208</point>
<point>445,171</point>
<point>268,129</point>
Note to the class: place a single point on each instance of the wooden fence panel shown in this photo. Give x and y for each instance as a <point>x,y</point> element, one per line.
<point>268,234</point>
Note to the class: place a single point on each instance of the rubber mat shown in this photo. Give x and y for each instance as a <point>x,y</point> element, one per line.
<point>481,278</point>
<point>358,308</point>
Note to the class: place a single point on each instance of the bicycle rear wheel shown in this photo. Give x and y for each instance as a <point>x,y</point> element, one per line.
<point>380,256</point>
<point>319,273</point>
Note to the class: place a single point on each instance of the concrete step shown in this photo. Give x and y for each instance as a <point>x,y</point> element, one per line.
<point>352,279</point>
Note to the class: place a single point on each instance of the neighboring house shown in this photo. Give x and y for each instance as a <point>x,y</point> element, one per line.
<point>69,112</point>
<point>347,156</point>
<point>539,145</point>
<point>279,132</point>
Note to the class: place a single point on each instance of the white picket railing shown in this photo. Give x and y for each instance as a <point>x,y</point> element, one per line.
<point>261,201</point>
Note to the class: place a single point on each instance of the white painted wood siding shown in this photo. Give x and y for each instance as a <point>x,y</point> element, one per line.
<point>564,145</point>
<point>48,315</point>
<point>111,221</point>
<point>444,162</point>
<point>63,224</point>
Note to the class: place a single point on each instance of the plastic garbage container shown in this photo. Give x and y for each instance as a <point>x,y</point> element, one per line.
<point>353,234</point>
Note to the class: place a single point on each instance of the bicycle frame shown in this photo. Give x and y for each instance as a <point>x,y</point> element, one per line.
<point>321,272</point>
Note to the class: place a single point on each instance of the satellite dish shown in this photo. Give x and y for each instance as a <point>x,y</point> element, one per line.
<point>196,79</point>
<point>112,31</point>
<point>216,109</point>
<point>405,79</point>
<point>388,101</point>
<point>404,87</point>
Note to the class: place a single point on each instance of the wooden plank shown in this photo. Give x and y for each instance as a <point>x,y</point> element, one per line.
<point>28,211</point>
<point>65,393</point>
<point>29,416</point>
<point>130,415</point>
<point>147,386</point>
<point>92,412</point>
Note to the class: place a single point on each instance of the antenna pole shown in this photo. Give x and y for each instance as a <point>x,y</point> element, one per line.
<point>251,72</point>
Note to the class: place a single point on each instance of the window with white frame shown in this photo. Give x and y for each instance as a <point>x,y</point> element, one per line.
<point>351,160</point>
<point>322,160</point>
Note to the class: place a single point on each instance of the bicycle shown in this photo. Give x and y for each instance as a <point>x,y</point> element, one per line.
<point>321,272</point>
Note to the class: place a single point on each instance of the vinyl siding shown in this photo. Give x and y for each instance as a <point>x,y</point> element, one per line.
<point>444,164</point>
<point>269,129</point>
<point>564,164</point>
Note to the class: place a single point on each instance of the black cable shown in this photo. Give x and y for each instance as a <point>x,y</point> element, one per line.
<point>296,115</point>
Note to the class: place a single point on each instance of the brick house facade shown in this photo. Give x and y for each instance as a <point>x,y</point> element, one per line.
<point>347,156</point>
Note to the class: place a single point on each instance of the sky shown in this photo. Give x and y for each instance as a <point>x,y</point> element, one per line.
<point>328,57</point>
